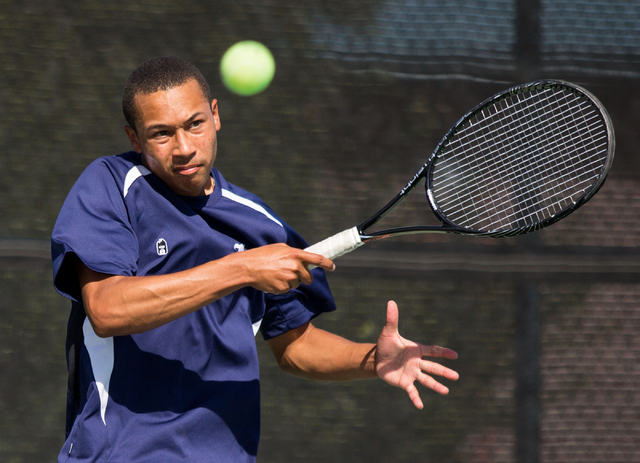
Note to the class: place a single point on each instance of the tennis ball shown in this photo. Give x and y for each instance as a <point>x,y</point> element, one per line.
<point>247,68</point>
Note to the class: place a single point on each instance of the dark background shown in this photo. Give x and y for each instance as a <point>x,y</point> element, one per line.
<point>547,325</point>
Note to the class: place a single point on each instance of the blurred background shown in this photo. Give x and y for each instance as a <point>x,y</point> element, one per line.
<point>547,325</point>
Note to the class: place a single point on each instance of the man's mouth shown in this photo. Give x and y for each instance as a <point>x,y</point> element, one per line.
<point>187,170</point>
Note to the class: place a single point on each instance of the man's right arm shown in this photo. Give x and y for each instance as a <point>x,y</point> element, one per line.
<point>120,305</point>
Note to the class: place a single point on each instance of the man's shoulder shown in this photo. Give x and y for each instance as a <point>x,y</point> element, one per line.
<point>112,170</point>
<point>231,190</point>
<point>119,164</point>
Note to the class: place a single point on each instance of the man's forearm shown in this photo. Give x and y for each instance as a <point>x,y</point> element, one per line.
<point>119,305</point>
<point>313,353</point>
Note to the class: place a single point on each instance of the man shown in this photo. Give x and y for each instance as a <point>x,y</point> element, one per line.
<point>171,271</point>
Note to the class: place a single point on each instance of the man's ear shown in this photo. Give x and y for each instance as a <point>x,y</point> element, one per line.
<point>216,115</point>
<point>133,138</point>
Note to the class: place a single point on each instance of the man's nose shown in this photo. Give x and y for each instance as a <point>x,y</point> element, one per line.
<point>184,145</point>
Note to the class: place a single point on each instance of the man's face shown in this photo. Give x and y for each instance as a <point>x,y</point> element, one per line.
<point>176,135</point>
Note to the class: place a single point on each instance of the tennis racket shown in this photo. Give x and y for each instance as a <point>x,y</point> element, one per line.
<point>518,162</point>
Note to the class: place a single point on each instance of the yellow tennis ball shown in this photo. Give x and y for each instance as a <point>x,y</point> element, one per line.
<point>247,68</point>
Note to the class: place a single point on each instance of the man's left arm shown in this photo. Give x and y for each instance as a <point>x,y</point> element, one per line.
<point>313,353</point>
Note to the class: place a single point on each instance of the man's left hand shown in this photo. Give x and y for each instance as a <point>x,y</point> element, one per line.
<point>401,362</point>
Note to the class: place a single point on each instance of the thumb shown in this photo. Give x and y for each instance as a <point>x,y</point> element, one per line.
<point>392,319</point>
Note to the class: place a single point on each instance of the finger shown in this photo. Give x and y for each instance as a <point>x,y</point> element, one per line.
<point>414,395</point>
<point>428,381</point>
<point>437,352</point>
<point>278,289</point>
<point>318,260</point>
<point>304,274</point>
<point>392,319</point>
<point>433,368</point>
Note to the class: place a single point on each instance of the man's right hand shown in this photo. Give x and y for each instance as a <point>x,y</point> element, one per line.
<point>278,268</point>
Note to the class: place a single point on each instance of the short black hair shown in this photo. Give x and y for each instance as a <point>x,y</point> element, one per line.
<point>155,74</point>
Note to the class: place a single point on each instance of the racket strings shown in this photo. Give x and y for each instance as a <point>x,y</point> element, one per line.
<point>539,172</point>
<point>566,164</point>
<point>487,136</point>
<point>534,173</point>
<point>510,138</point>
<point>521,160</point>
<point>488,188</point>
<point>525,201</point>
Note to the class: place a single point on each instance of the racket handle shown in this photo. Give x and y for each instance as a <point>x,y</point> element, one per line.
<point>337,245</point>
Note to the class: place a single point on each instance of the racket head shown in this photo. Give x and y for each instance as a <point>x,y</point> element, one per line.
<point>521,160</point>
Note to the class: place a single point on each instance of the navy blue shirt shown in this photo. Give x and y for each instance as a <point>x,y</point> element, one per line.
<point>188,390</point>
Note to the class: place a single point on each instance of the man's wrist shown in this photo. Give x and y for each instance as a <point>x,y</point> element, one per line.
<point>368,364</point>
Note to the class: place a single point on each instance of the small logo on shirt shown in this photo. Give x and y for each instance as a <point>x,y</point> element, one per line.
<point>161,247</point>
<point>238,247</point>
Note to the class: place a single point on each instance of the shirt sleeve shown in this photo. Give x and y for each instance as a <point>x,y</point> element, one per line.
<point>288,311</point>
<point>93,225</point>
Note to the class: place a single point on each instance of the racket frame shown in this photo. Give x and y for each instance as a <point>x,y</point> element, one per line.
<point>426,172</point>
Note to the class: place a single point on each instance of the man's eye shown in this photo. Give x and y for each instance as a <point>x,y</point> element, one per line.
<point>196,124</point>
<point>160,134</point>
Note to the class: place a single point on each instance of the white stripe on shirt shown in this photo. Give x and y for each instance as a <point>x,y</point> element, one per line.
<point>101,355</point>
<point>134,173</point>
<point>247,202</point>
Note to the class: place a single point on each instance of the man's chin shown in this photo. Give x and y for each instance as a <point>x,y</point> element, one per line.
<point>193,186</point>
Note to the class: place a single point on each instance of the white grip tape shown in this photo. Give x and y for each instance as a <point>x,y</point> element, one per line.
<point>338,244</point>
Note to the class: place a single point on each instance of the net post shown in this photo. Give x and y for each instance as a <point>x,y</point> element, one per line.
<point>528,39</point>
<point>527,368</point>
